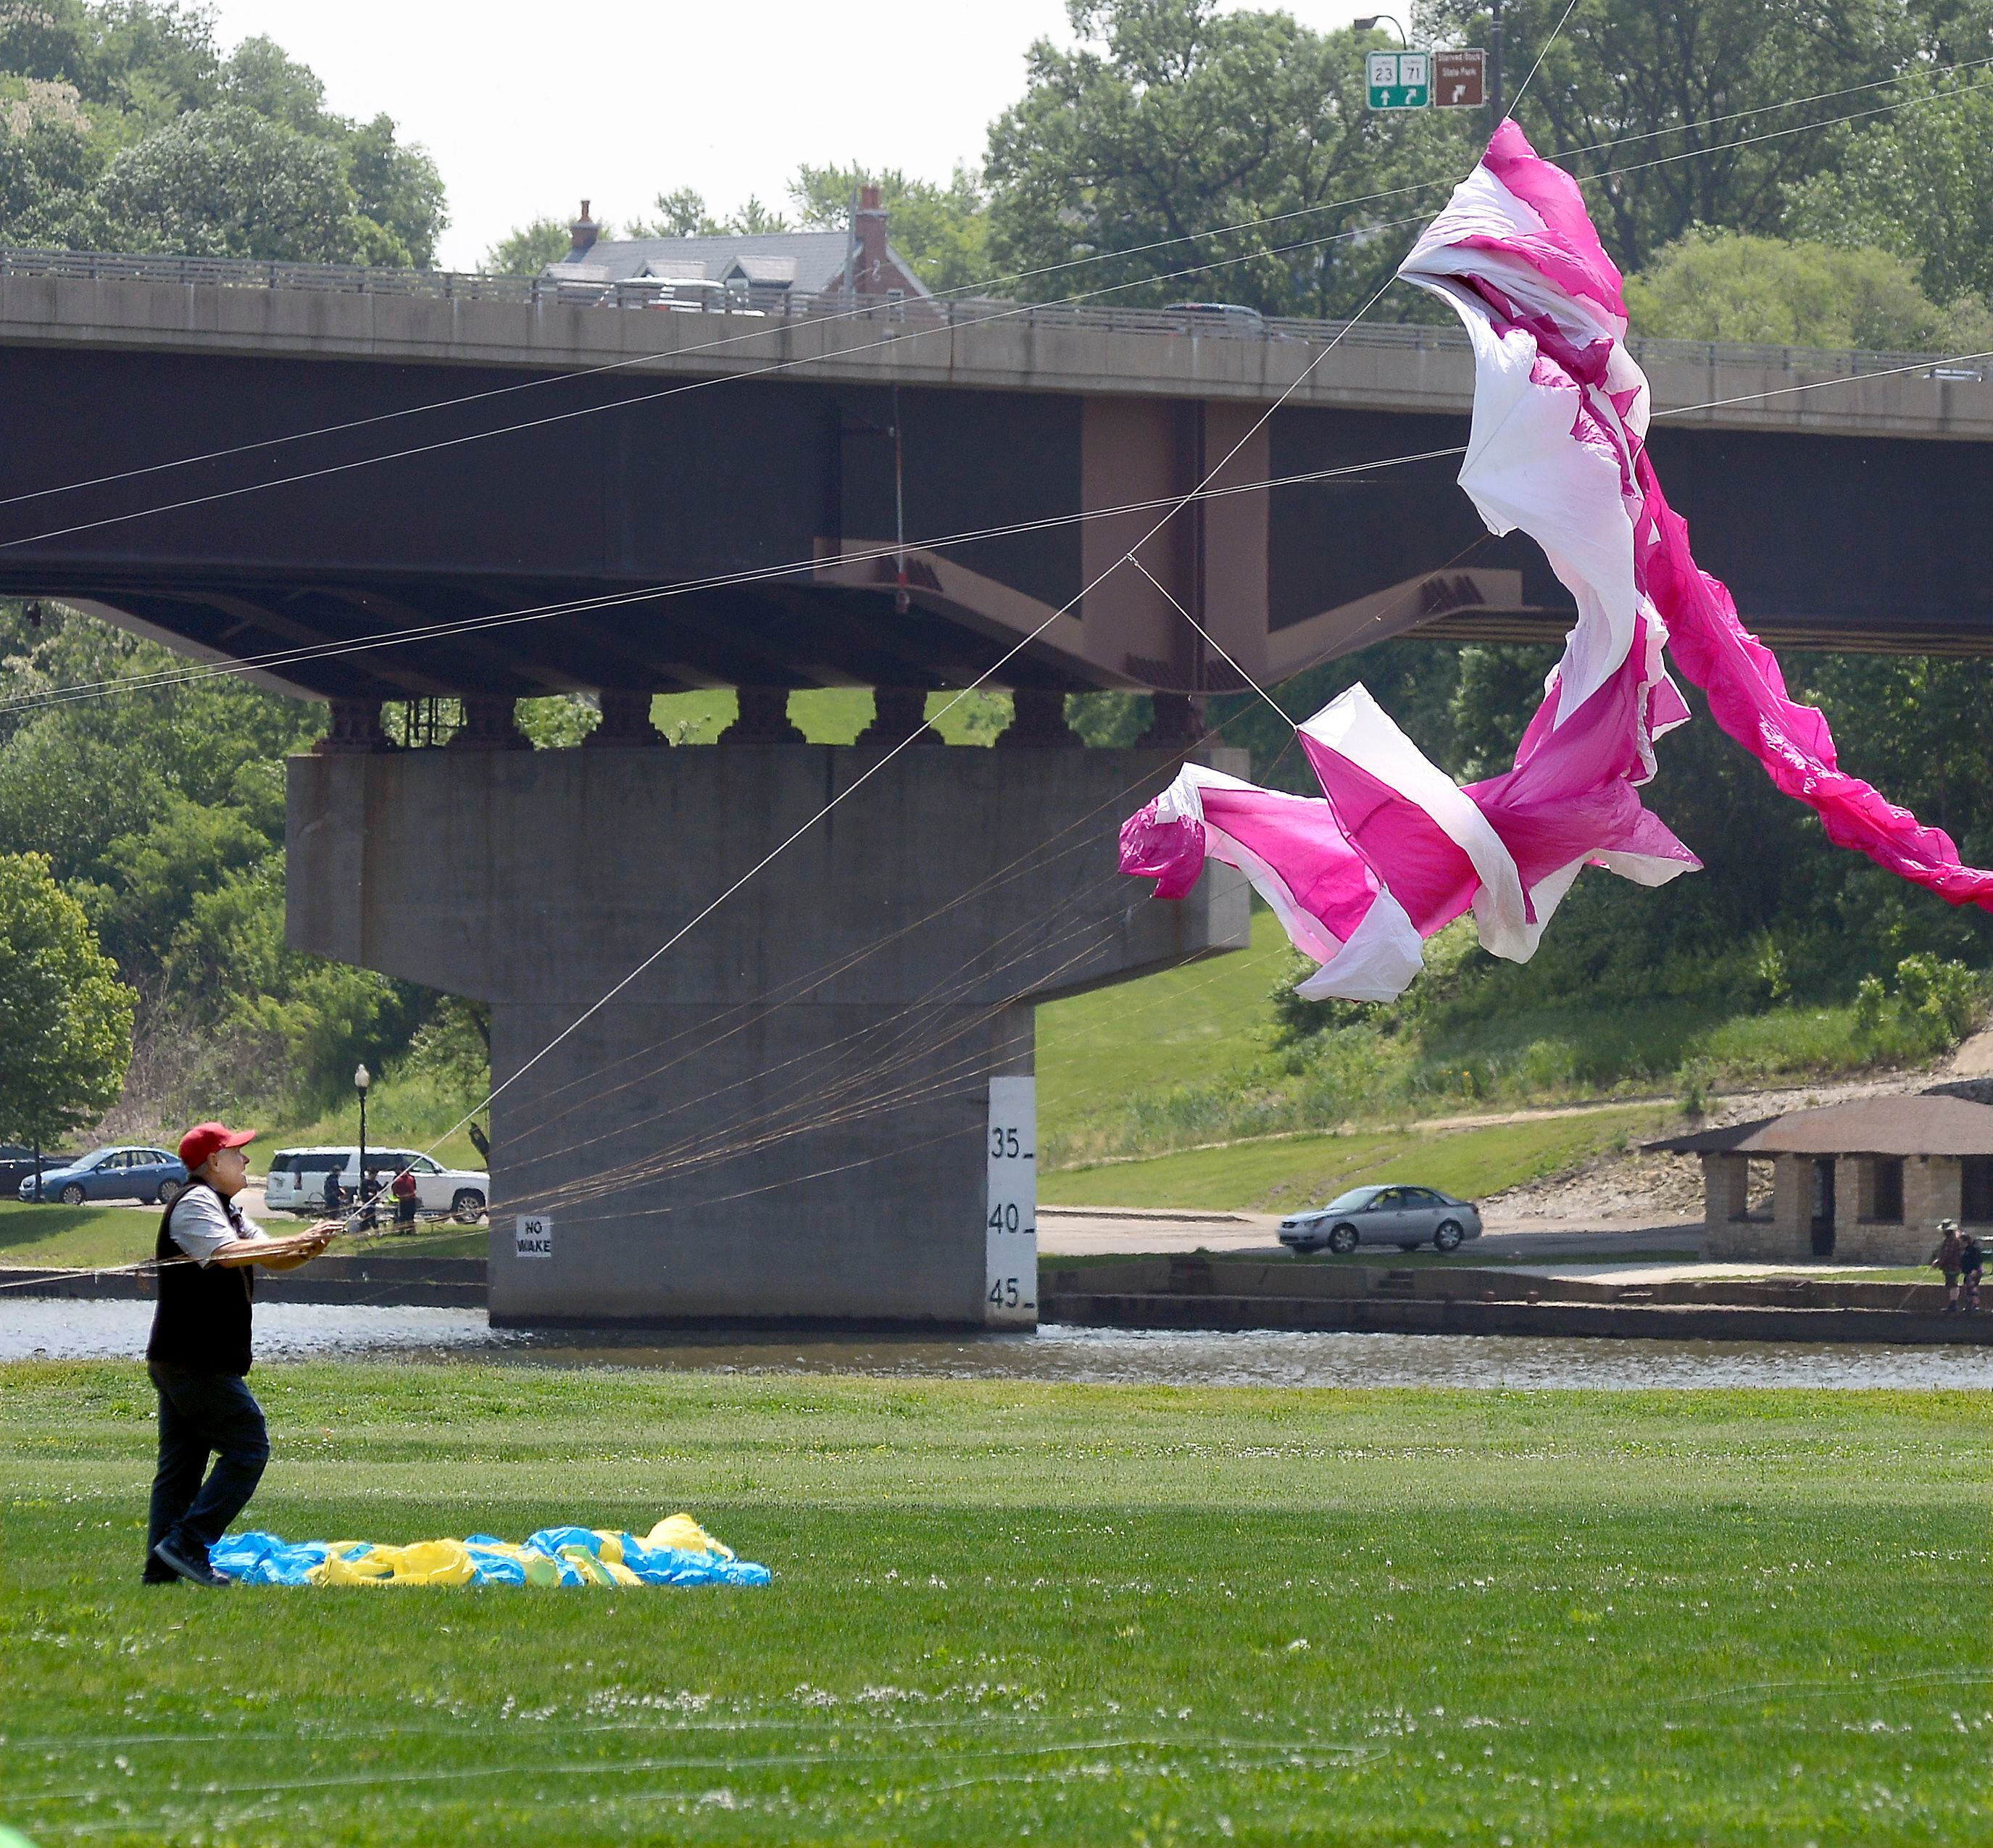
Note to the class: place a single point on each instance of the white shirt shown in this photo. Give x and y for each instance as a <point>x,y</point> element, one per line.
<point>200,1225</point>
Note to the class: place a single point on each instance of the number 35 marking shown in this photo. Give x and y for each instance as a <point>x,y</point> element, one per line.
<point>1005,1143</point>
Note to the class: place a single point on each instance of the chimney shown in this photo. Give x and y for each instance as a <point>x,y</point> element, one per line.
<point>868,242</point>
<point>584,230</point>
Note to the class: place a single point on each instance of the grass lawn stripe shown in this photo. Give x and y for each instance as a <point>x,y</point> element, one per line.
<point>1096,1613</point>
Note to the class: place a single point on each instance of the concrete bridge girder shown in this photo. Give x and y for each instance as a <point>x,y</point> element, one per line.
<point>1842,517</point>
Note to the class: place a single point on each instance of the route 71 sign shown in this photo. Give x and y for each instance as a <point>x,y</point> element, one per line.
<point>1399,80</point>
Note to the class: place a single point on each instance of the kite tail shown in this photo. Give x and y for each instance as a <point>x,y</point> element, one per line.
<point>1747,699</point>
<point>1394,850</point>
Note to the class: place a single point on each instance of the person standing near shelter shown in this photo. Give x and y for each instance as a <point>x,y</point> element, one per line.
<point>1972,1265</point>
<point>1945,1258</point>
<point>405,1200</point>
<point>199,1354</point>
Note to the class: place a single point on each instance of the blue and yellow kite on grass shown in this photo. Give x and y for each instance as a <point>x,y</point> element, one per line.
<point>678,1551</point>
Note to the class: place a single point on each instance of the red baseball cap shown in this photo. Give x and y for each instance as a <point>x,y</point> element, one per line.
<point>203,1139</point>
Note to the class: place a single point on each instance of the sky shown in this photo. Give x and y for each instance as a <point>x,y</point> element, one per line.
<point>530,108</point>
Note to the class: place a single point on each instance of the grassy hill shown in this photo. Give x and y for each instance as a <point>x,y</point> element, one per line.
<point>1170,1091</point>
<point>1275,1174</point>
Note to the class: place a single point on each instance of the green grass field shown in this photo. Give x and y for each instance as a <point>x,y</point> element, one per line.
<point>87,1235</point>
<point>1116,1614</point>
<point>75,1235</point>
<point>1278,1173</point>
<point>1095,1050</point>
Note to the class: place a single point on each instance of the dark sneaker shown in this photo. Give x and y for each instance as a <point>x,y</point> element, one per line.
<point>195,1571</point>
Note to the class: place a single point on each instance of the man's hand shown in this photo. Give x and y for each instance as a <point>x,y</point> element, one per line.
<point>281,1254</point>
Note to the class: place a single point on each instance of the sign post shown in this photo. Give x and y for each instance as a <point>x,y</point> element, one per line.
<point>1398,80</point>
<point>1459,80</point>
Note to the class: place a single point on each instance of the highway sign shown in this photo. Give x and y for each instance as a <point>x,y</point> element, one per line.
<point>1459,80</point>
<point>1398,80</point>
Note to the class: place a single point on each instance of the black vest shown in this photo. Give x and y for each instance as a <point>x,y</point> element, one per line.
<point>203,1318</point>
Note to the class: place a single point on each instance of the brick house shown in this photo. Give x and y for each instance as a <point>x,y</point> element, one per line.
<point>1863,1182</point>
<point>799,263</point>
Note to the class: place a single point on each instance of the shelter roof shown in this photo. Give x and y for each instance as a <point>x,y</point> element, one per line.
<point>1916,1125</point>
<point>1708,1142</point>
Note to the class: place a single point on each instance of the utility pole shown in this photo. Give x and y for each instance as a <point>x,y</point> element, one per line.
<point>1494,62</point>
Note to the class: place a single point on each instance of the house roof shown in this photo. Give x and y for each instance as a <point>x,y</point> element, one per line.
<point>1919,1125</point>
<point>807,261</point>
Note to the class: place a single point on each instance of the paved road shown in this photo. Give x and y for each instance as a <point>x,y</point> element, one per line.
<point>1086,1232</point>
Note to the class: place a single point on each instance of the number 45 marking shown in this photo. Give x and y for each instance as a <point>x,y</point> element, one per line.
<point>1003,1292</point>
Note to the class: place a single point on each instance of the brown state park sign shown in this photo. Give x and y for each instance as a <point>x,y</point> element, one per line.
<point>1459,79</point>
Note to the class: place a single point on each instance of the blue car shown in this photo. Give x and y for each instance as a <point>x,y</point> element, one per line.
<point>149,1175</point>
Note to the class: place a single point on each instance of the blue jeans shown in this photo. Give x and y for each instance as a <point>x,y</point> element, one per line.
<point>201,1413</point>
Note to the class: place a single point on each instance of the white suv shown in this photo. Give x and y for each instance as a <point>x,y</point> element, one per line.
<point>296,1183</point>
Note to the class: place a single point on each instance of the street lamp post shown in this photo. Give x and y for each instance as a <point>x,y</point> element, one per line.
<point>362,1079</point>
<point>1377,19</point>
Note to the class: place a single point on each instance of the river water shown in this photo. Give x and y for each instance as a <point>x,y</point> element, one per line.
<point>42,1327</point>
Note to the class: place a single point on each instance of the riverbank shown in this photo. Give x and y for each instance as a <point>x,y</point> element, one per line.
<point>1599,1617</point>
<point>1453,1296</point>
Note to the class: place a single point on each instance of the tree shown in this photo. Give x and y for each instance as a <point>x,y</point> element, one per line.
<point>1722,285</point>
<point>529,249</point>
<point>1622,69</point>
<point>226,182</point>
<point>46,158</point>
<point>266,78</point>
<point>1172,120</point>
<point>681,213</point>
<point>1918,182</point>
<point>942,230</point>
<point>754,219</point>
<point>120,123</point>
<point>64,1018</point>
<point>398,190</point>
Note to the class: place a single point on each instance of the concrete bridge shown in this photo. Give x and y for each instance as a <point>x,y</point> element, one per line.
<point>1838,493</point>
<point>818,1108</point>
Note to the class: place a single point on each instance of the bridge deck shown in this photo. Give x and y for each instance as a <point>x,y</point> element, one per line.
<point>184,304</point>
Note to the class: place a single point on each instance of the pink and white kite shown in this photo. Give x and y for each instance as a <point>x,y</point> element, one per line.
<point>1393,849</point>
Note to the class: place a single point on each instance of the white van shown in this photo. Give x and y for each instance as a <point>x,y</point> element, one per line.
<point>296,1183</point>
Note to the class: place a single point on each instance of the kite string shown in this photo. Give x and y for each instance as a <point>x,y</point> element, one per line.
<point>185,675</point>
<point>768,859</point>
<point>1509,114</point>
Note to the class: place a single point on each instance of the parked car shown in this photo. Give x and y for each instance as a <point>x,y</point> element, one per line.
<point>17,1164</point>
<point>142,1173</point>
<point>296,1182</point>
<point>1404,1216</point>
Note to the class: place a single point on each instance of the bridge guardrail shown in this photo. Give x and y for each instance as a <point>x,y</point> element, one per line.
<point>763,302</point>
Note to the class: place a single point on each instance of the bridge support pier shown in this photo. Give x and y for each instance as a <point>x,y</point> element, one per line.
<point>789,1117</point>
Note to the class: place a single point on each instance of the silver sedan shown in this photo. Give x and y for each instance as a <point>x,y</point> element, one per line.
<point>1404,1216</point>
